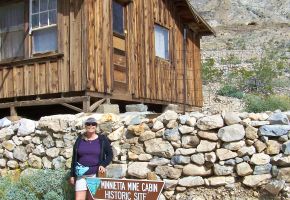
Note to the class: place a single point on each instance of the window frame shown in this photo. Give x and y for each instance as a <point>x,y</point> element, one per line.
<point>168,58</point>
<point>116,33</point>
<point>49,26</point>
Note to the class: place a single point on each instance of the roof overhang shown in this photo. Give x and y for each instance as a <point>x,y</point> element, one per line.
<point>193,20</point>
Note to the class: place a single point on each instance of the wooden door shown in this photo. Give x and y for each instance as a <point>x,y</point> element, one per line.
<point>120,70</point>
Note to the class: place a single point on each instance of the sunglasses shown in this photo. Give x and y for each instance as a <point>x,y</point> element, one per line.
<point>91,124</point>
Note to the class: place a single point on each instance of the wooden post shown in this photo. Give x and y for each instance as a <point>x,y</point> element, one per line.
<point>184,69</point>
<point>13,111</point>
<point>86,105</point>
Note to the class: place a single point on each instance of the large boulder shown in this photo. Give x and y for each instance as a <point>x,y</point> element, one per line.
<point>278,118</point>
<point>26,127</point>
<point>232,118</point>
<point>196,170</point>
<point>260,159</point>
<point>208,135</point>
<point>225,154</point>
<point>116,171</point>
<point>206,146</point>
<point>168,172</point>
<point>210,122</point>
<point>20,153</point>
<point>171,134</point>
<point>159,147</point>
<point>189,141</point>
<point>284,174</point>
<point>244,169</point>
<point>231,133</point>
<point>139,169</point>
<point>57,123</point>
<point>191,181</point>
<point>4,122</point>
<point>274,130</point>
<point>256,180</point>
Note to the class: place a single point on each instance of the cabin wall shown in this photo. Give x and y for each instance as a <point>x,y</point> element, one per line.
<point>55,72</point>
<point>155,78</point>
<point>150,78</point>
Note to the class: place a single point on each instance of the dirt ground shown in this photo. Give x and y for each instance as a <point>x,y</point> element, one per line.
<point>237,192</point>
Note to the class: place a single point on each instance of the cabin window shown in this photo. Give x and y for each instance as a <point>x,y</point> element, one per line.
<point>12,31</point>
<point>161,41</point>
<point>118,18</point>
<point>43,25</point>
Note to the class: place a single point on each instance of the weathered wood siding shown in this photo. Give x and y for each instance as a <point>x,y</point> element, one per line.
<point>100,46</point>
<point>61,72</point>
<point>150,78</point>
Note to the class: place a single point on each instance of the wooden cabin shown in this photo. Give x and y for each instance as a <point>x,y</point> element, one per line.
<point>84,51</point>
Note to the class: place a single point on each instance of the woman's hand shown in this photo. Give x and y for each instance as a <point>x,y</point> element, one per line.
<point>102,169</point>
<point>72,180</point>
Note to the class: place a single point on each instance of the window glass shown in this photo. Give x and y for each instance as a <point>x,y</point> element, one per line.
<point>45,40</point>
<point>118,18</point>
<point>11,30</point>
<point>44,13</point>
<point>161,41</point>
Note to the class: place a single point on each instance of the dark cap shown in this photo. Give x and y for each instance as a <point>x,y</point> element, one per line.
<point>91,120</point>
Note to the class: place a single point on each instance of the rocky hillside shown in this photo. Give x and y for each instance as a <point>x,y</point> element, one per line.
<point>245,27</point>
<point>244,30</point>
<point>243,12</point>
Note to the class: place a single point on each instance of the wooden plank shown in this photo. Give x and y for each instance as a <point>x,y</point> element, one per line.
<point>1,84</point>
<point>106,41</point>
<point>119,60</point>
<point>120,76</point>
<point>41,79</point>
<point>119,43</point>
<point>18,79</point>
<point>64,46</point>
<point>75,45</point>
<point>72,107</point>
<point>99,46</point>
<point>29,80</point>
<point>8,86</point>
<point>95,105</point>
<point>92,46</point>
<point>52,77</point>
<point>43,102</point>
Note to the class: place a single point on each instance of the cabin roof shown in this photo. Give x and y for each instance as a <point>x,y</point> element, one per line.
<point>191,17</point>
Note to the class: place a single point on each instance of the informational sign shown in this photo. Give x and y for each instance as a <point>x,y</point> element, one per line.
<point>128,189</point>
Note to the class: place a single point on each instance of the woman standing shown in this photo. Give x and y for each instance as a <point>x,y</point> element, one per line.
<point>92,152</point>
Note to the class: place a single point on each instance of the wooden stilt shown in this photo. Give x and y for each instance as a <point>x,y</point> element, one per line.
<point>13,111</point>
<point>86,105</point>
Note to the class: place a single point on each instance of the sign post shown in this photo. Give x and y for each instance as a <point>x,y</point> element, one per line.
<point>127,189</point>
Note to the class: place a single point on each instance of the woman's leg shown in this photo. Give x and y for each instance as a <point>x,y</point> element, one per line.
<point>80,195</point>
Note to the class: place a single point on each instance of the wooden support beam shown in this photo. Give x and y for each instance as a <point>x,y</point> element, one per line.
<point>86,104</point>
<point>42,102</point>
<point>96,104</point>
<point>13,111</point>
<point>72,107</point>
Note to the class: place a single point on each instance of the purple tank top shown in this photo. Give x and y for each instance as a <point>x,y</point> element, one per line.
<point>88,155</point>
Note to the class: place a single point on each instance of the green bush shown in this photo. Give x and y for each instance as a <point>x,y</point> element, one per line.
<point>230,91</point>
<point>41,184</point>
<point>256,103</point>
<point>209,72</point>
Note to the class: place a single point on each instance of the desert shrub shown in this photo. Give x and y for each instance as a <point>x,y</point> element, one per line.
<point>209,72</point>
<point>41,184</point>
<point>256,103</point>
<point>230,91</point>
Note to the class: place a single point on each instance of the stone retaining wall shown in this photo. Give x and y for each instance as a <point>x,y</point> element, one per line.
<point>183,150</point>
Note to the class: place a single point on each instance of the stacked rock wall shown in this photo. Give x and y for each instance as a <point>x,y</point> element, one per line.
<point>183,150</point>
